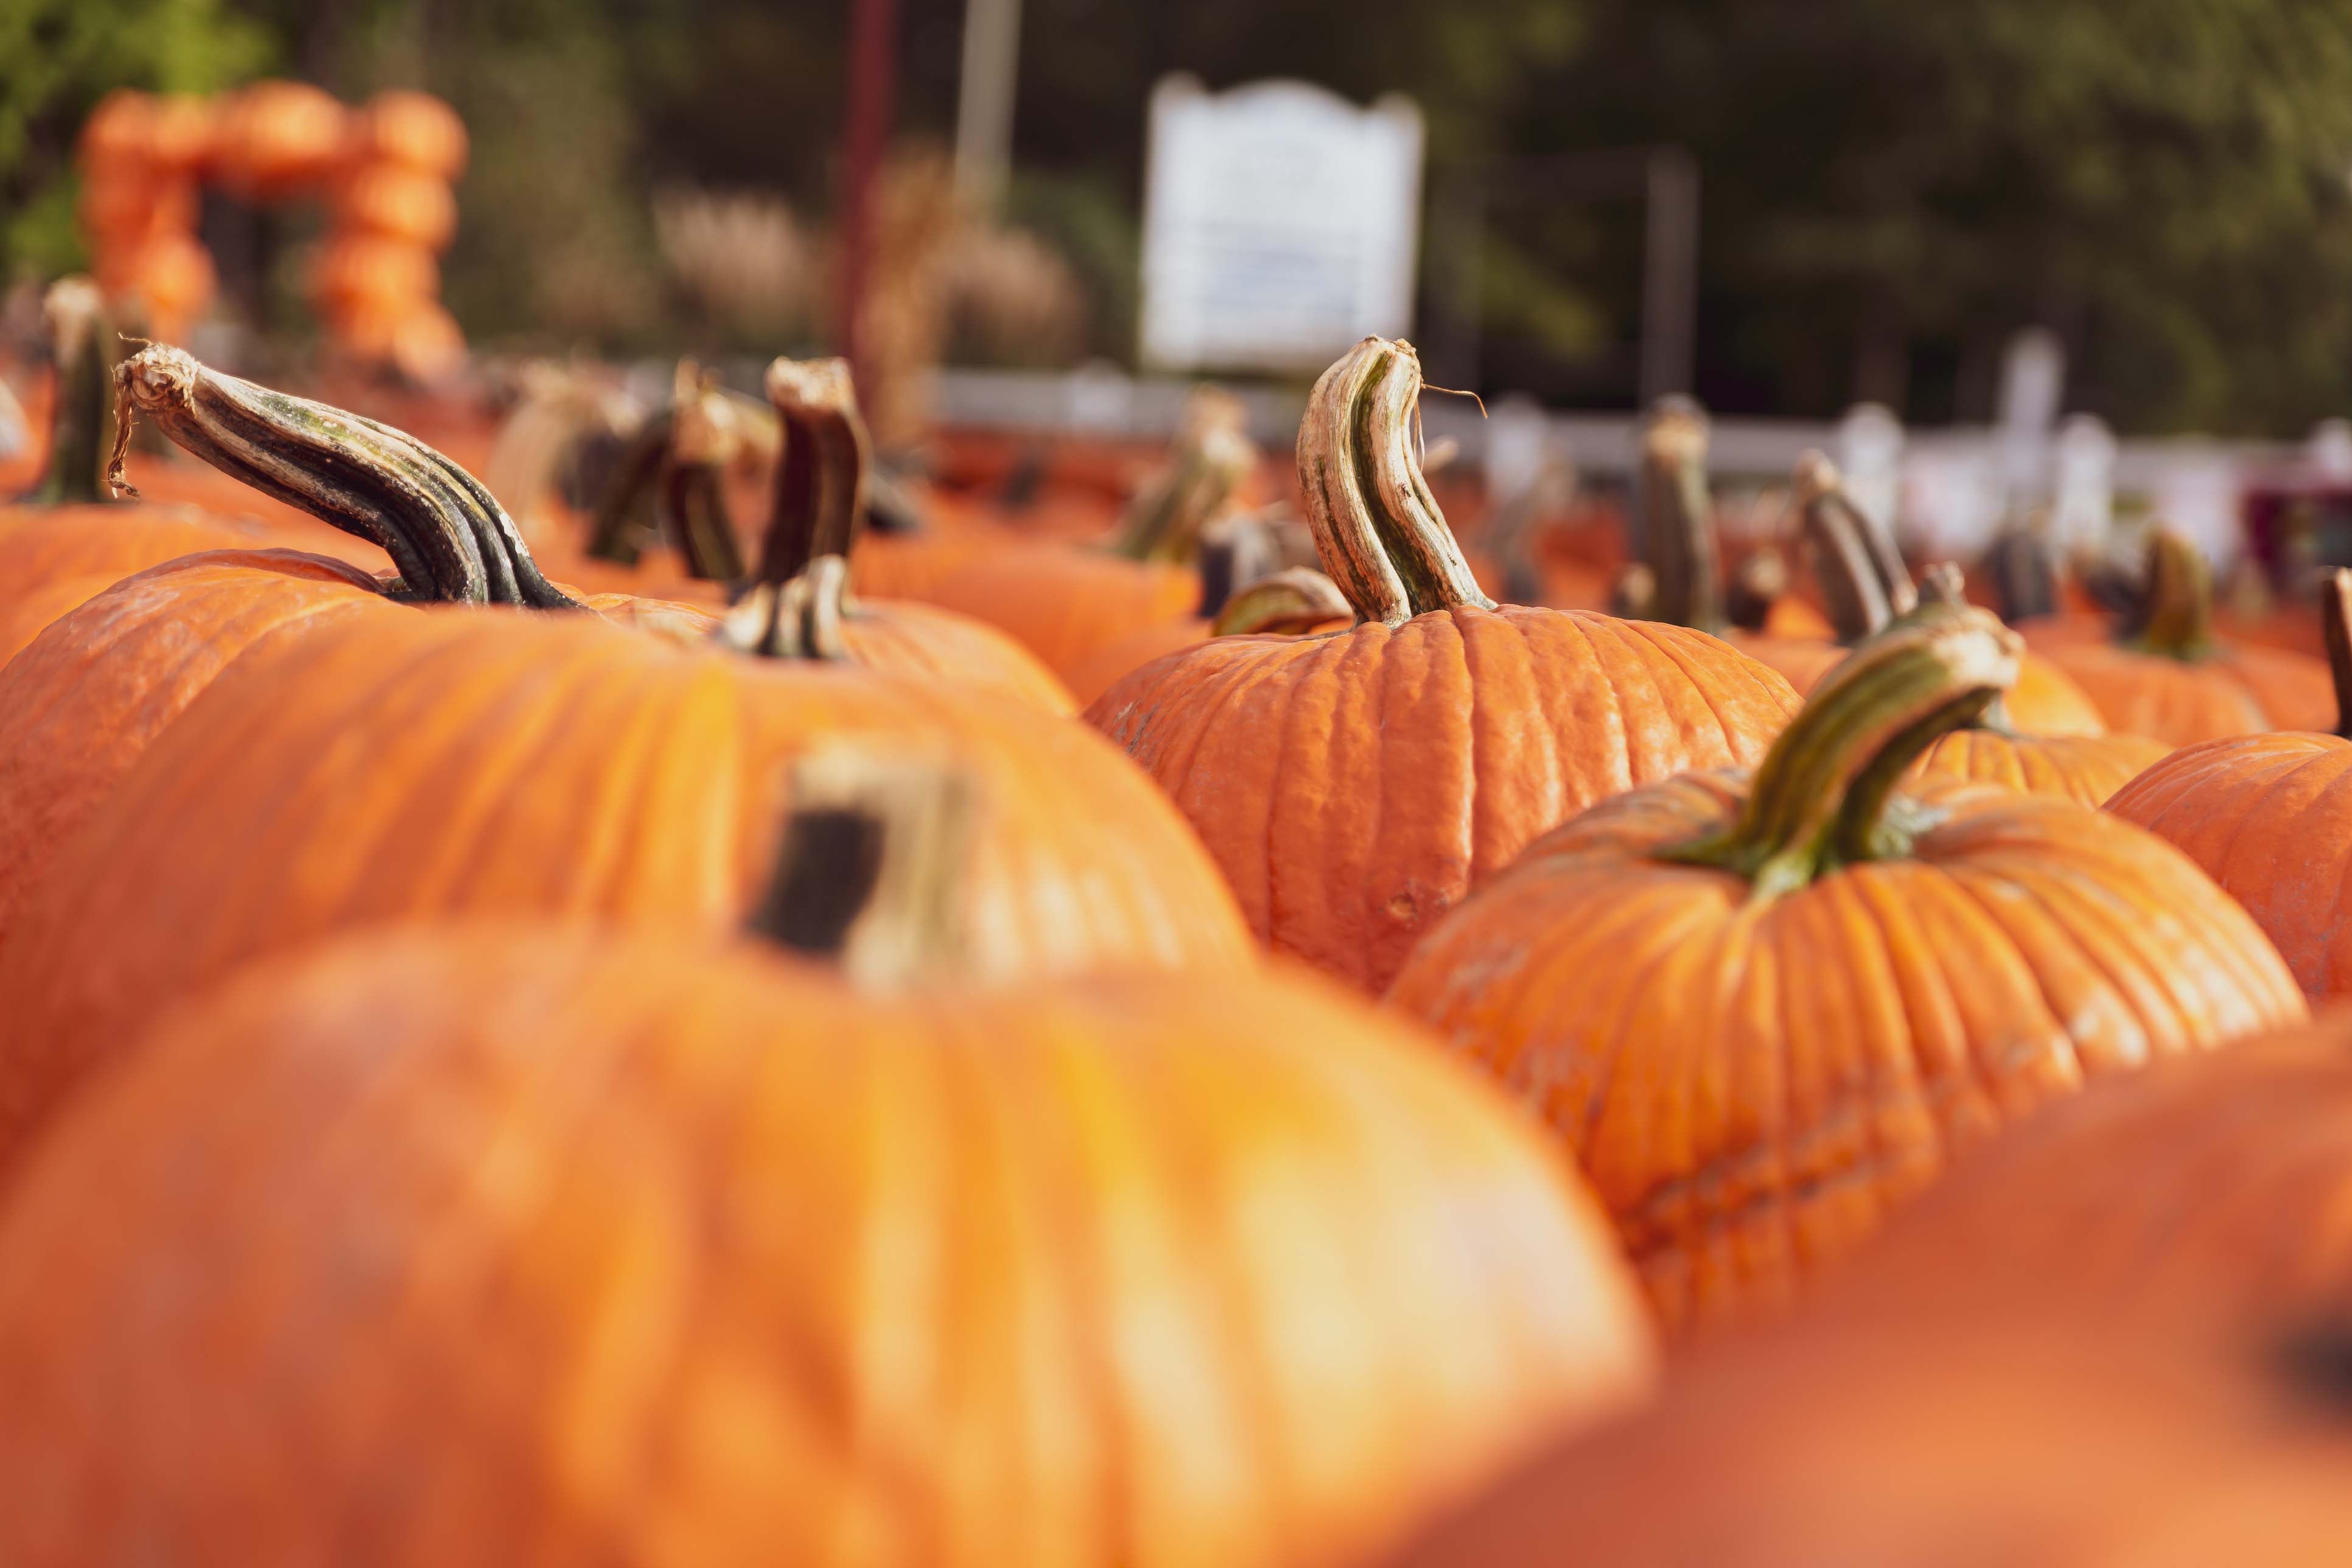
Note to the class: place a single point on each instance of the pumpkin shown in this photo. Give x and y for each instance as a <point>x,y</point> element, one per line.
<point>2204,1195</point>
<point>413,131</point>
<point>674,472</point>
<point>1066,604</point>
<point>590,1247</point>
<point>1355,787</point>
<point>1293,601</point>
<point>87,695</point>
<point>2086,768</point>
<point>2172,680</point>
<point>400,766</point>
<point>276,139</point>
<point>397,202</point>
<point>2269,816</point>
<point>2000,1437</point>
<point>799,606</point>
<point>1765,1013</point>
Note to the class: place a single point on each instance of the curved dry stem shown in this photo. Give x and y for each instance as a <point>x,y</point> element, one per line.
<point>1678,540</point>
<point>1210,456</point>
<point>822,473</point>
<point>81,349</point>
<point>449,540</point>
<point>1824,794</point>
<point>1377,527</point>
<point>802,619</point>
<point>1861,592</point>
<point>2178,620</point>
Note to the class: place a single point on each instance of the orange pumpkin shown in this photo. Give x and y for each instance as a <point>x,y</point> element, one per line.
<point>413,129</point>
<point>2270,818</point>
<point>604,1248</point>
<point>2172,680</point>
<point>2002,1437</point>
<point>1354,788</point>
<point>398,202</point>
<point>1295,601</point>
<point>276,139</point>
<point>1765,1013</point>
<point>356,269</point>
<point>799,606</point>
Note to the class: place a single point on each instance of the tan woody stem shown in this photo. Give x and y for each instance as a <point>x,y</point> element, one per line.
<point>821,475</point>
<point>1208,460</point>
<point>450,541</point>
<point>1678,540</point>
<point>1823,798</point>
<point>81,349</point>
<point>1862,579</point>
<point>873,871</point>
<point>1376,527</point>
<point>2179,619</point>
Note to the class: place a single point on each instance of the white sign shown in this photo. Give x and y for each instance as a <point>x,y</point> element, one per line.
<point>2032,382</point>
<point>1280,225</point>
<point>2084,514</point>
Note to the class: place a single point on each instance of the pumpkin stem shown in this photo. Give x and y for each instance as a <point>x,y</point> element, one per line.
<point>2335,621</point>
<point>1826,793</point>
<point>1208,460</point>
<point>2178,620</point>
<point>625,510</point>
<point>81,348</point>
<point>1754,586</point>
<point>1862,578</point>
<point>870,875</point>
<point>800,619</point>
<point>1378,529</point>
<point>2023,570</point>
<point>449,540</point>
<point>704,438</point>
<point>822,473</point>
<point>1297,599</point>
<point>1677,517</point>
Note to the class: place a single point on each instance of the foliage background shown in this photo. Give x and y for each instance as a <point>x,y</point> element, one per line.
<point>1891,187</point>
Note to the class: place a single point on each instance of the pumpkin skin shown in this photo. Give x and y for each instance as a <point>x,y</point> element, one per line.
<point>446,762</point>
<point>1063,603</point>
<point>2085,769</point>
<point>1754,1071</point>
<point>1993,1439</point>
<point>2269,817</point>
<point>1133,1270</point>
<point>1353,788</point>
<point>84,702</point>
<point>42,548</point>
<point>2237,692</point>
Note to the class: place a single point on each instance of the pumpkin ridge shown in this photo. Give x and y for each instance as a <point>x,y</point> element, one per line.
<point>1655,636</point>
<point>1941,1079</point>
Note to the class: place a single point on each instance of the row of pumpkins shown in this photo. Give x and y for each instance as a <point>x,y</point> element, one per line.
<point>498,1068</point>
<point>384,170</point>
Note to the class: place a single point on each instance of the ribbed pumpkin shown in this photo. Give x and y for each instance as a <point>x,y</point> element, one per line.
<point>799,607</point>
<point>458,761</point>
<point>2000,1437</point>
<point>484,1244</point>
<point>1355,787</point>
<point>2172,680</point>
<point>2270,818</point>
<point>1765,1013</point>
<point>88,694</point>
<point>1293,601</point>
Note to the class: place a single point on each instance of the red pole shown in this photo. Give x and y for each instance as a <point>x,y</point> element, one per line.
<point>873,81</point>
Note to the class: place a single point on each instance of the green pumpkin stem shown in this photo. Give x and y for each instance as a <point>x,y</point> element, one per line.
<point>450,541</point>
<point>1208,460</point>
<point>872,868</point>
<point>1378,529</point>
<point>2335,621</point>
<point>2178,620</point>
<point>1825,795</point>
<point>625,511</point>
<point>81,347</point>
<point>1678,540</point>
<point>1297,599</point>
<point>1862,579</point>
